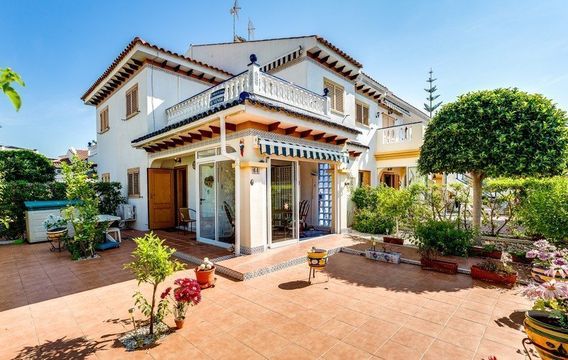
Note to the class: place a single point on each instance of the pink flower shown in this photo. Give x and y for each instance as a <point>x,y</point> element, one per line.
<point>550,290</point>
<point>531,254</point>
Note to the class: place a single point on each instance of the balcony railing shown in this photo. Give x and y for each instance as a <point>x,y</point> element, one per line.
<point>401,137</point>
<point>254,82</point>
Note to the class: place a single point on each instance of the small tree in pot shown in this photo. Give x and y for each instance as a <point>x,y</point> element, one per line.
<point>186,294</point>
<point>152,264</point>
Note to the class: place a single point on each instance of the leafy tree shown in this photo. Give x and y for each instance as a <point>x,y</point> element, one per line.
<point>26,165</point>
<point>83,215</point>
<point>110,196</point>
<point>502,132</point>
<point>7,77</point>
<point>152,264</point>
<point>431,106</point>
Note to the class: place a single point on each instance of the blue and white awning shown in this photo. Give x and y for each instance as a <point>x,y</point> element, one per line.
<point>275,147</point>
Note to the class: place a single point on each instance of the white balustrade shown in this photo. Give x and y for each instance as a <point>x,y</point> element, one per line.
<point>254,82</point>
<point>397,134</point>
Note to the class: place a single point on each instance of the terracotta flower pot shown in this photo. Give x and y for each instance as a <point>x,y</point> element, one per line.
<point>490,276</point>
<point>476,251</point>
<point>446,267</point>
<point>179,323</point>
<point>205,278</point>
<point>393,240</point>
<point>549,339</point>
<point>495,254</point>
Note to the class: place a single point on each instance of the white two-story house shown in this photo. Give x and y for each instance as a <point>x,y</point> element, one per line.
<point>264,140</point>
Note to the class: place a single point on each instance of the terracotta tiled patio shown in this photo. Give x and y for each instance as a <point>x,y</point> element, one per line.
<point>55,308</point>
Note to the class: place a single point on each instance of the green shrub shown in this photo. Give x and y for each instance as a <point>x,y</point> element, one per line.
<point>442,238</point>
<point>365,197</point>
<point>12,197</point>
<point>372,222</point>
<point>543,210</point>
<point>110,196</point>
<point>26,165</point>
<point>88,231</point>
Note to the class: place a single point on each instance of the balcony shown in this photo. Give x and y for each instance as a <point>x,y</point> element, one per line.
<point>254,82</point>
<point>405,137</point>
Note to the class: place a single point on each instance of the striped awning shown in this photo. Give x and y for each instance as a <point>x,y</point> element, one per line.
<point>275,147</point>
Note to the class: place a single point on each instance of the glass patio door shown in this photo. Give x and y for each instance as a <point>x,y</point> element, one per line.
<point>225,200</point>
<point>325,200</point>
<point>207,201</point>
<point>283,200</point>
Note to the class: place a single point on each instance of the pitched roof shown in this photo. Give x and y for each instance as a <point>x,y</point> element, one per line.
<point>140,41</point>
<point>320,39</point>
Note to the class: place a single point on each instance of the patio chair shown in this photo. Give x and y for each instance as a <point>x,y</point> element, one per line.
<point>187,218</point>
<point>304,209</point>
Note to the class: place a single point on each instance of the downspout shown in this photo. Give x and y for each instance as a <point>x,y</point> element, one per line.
<point>237,161</point>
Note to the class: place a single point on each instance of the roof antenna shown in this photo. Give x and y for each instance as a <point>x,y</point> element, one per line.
<point>251,30</point>
<point>235,13</point>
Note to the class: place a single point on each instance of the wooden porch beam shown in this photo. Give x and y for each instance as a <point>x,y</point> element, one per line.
<point>178,141</point>
<point>290,130</point>
<point>306,133</point>
<point>273,126</point>
<point>215,129</point>
<point>206,133</point>
<point>330,138</point>
<point>196,136</point>
<point>340,141</point>
<point>148,149</point>
<point>318,136</point>
<point>186,139</point>
<point>231,127</point>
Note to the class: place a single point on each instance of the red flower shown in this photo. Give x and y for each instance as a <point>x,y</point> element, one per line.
<point>188,291</point>
<point>165,293</point>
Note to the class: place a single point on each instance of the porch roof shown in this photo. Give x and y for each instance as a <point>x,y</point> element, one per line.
<point>245,99</point>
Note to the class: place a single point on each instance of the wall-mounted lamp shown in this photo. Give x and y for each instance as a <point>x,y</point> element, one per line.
<point>177,160</point>
<point>242,146</point>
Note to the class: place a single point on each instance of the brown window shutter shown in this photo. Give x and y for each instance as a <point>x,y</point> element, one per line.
<point>365,113</point>
<point>339,99</point>
<point>135,180</point>
<point>359,112</point>
<point>128,104</point>
<point>130,184</point>
<point>134,99</point>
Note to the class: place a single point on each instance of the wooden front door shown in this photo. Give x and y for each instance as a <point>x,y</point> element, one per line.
<point>161,200</point>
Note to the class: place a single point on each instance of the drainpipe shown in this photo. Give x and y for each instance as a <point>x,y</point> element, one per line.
<point>237,161</point>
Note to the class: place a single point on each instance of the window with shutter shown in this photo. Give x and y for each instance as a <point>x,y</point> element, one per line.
<point>361,113</point>
<point>335,94</point>
<point>132,101</point>
<point>103,120</point>
<point>134,182</point>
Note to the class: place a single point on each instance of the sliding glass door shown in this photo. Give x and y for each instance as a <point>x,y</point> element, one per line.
<point>217,202</point>
<point>207,201</point>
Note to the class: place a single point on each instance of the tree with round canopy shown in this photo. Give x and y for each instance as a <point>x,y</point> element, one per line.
<point>492,133</point>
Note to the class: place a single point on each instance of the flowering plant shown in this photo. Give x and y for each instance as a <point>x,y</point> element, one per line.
<point>54,222</point>
<point>549,257</point>
<point>206,265</point>
<point>187,293</point>
<point>551,297</point>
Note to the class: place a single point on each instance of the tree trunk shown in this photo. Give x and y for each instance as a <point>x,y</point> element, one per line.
<point>152,309</point>
<point>476,214</point>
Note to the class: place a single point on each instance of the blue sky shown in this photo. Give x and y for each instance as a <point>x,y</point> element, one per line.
<point>61,47</point>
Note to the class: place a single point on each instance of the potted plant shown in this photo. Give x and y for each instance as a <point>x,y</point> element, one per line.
<point>56,228</point>
<point>205,274</point>
<point>548,262</point>
<point>435,238</point>
<point>186,294</point>
<point>384,255</point>
<point>547,324</point>
<point>491,251</point>
<point>500,272</point>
